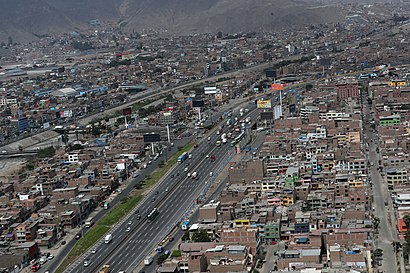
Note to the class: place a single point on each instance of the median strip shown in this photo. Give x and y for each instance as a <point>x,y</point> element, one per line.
<point>118,212</point>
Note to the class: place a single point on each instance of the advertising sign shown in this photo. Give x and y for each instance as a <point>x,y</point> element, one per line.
<point>266,115</point>
<point>126,111</point>
<point>152,138</point>
<point>277,86</point>
<point>210,90</point>
<point>264,104</point>
<point>277,110</point>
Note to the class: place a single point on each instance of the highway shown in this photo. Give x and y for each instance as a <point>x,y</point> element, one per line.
<point>128,249</point>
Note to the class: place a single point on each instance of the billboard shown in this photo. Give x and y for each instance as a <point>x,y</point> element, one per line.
<point>277,111</point>
<point>210,90</point>
<point>126,111</point>
<point>277,86</point>
<point>264,104</point>
<point>198,103</point>
<point>152,138</point>
<point>266,115</point>
<point>271,73</point>
<point>46,125</point>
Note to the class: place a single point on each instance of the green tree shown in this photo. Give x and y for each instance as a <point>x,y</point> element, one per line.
<point>200,236</point>
<point>309,87</point>
<point>185,237</point>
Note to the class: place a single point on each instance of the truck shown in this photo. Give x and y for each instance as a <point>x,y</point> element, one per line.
<point>105,269</point>
<point>106,205</point>
<point>148,260</point>
<point>108,238</point>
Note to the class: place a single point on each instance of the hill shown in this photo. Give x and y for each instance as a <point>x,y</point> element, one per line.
<point>25,20</point>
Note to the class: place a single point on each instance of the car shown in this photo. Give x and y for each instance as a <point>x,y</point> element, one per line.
<point>50,257</point>
<point>94,250</point>
<point>172,175</point>
<point>128,229</point>
<point>166,190</point>
<point>156,193</point>
<point>189,174</point>
<point>138,217</point>
<point>211,174</point>
<point>63,242</point>
<point>130,223</point>
<point>86,262</point>
<point>186,169</point>
<point>153,200</point>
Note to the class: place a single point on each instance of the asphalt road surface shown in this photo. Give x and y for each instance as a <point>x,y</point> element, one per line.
<point>174,197</point>
<point>382,205</point>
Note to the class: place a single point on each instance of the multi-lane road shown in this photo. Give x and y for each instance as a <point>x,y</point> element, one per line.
<point>174,197</point>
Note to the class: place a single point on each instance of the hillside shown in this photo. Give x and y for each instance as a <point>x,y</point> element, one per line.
<point>26,20</point>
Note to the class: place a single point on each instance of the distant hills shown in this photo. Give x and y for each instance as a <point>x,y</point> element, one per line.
<point>25,20</point>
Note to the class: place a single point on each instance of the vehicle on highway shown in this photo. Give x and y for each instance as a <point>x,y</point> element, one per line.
<point>190,156</point>
<point>189,174</point>
<point>108,238</point>
<point>130,223</point>
<point>148,260</point>
<point>94,250</point>
<point>213,158</point>
<point>183,157</point>
<point>218,143</point>
<point>138,217</point>
<point>89,222</point>
<point>87,262</point>
<point>78,236</point>
<point>194,175</point>
<point>152,215</point>
<point>35,267</point>
<point>106,205</point>
<point>211,174</point>
<point>209,138</point>
<point>186,169</point>
<point>128,229</point>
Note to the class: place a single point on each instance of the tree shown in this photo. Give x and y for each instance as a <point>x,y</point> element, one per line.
<point>185,237</point>
<point>309,87</point>
<point>200,236</point>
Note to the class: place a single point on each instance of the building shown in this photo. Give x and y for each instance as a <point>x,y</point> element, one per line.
<point>347,90</point>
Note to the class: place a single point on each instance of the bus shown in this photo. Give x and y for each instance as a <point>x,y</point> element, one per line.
<point>151,216</point>
<point>182,157</point>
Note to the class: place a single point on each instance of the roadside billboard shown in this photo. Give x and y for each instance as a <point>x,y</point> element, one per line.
<point>210,90</point>
<point>264,104</point>
<point>277,111</point>
<point>126,111</point>
<point>266,115</point>
<point>277,86</point>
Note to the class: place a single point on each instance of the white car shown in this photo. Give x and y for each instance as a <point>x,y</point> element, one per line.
<point>189,174</point>
<point>94,250</point>
<point>186,169</point>
<point>211,174</point>
<point>128,229</point>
